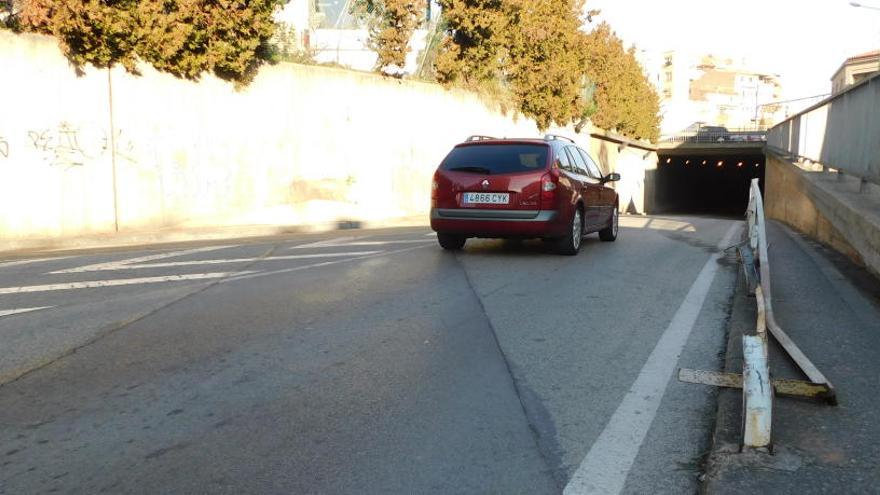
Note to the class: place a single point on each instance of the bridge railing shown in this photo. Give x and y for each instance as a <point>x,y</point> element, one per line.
<point>731,136</point>
<point>841,132</point>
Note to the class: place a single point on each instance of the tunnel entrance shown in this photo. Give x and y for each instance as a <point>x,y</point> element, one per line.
<point>706,183</point>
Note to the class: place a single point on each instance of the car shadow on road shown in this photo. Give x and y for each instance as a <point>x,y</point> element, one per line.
<point>520,247</point>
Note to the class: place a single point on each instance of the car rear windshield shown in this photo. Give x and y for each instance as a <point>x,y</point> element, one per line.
<point>493,159</point>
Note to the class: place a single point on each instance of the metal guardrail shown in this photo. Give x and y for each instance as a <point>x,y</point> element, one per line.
<point>755,381</point>
<point>716,137</point>
<point>841,132</point>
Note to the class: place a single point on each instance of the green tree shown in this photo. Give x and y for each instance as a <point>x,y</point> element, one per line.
<point>183,37</point>
<point>542,63</point>
<point>526,48</point>
<point>625,99</point>
<point>476,39</point>
<point>553,72</point>
<point>101,33</point>
<point>188,37</point>
<point>391,25</point>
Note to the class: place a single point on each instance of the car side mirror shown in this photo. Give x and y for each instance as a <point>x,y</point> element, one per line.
<point>612,177</point>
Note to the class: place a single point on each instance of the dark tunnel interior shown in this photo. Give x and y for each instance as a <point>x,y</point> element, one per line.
<point>706,184</point>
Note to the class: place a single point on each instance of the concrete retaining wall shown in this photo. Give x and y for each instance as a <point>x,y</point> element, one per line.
<point>634,164</point>
<point>829,210</point>
<point>301,145</point>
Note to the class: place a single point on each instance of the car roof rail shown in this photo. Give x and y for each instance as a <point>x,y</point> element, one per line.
<point>556,137</point>
<point>477,137</point>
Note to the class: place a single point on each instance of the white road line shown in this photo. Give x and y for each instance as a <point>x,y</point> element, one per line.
<point>113,265</point>
<point>170,264</point>
<point>365,243</point>
<point>7,312</point>
<point>245,275</point>
<point>329,242</point>
<point>6,264</point>
<point>113,283</point>
<point>606,466</point>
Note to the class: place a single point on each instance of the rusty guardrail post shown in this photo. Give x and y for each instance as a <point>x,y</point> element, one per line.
<point>757,395</point>
<point>758,387</point>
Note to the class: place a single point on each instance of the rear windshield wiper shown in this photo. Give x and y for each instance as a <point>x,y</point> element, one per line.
<point>476,170</point>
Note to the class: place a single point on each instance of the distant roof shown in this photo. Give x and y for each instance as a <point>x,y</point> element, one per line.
<point>867,56</point>
<point>871,54</point>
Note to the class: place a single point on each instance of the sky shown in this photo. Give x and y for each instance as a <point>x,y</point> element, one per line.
<point>804,41</point>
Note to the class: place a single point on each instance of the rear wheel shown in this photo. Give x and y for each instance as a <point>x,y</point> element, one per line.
<point>609,234</point>
<point>571,243</point>
<point>452,242</point>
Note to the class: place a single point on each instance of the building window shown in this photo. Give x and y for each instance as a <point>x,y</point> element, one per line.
<point>669,77</point>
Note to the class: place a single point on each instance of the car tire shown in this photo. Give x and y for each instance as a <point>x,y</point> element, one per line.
<point>451,242</point>
<point>609,233</point>
<point>571,243</point>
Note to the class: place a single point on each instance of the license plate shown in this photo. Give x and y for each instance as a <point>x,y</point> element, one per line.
<point>486,198</point>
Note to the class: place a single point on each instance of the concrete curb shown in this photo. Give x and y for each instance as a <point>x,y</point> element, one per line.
<point>728,417</point>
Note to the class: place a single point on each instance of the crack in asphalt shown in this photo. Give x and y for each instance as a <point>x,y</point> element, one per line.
<point>517,387</point>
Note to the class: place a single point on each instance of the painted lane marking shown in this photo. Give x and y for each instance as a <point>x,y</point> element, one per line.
<point>365,243</point>
<point>113,265</point>
<point>606,466</point>
<point>6,264</point>
<point>656,224</point>
<point>113,283</point>
<point>246,276</point>
<point>7,312</point>
<point>328,242</point>
<point>170,264</point>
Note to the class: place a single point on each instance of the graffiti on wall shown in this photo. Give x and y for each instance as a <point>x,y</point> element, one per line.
<point>68,146</point>
<point>125,149</point>
<point>65,145</point>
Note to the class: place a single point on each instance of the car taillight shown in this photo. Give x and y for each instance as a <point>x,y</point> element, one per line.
<point>548,190</point>
<point>435,187</point>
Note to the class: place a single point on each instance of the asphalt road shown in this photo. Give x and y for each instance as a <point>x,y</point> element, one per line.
<point>365,362</point>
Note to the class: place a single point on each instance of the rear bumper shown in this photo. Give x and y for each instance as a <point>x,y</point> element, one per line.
<point>497,223</point>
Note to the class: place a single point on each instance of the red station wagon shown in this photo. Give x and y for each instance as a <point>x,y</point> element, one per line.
<point>522,188</point>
